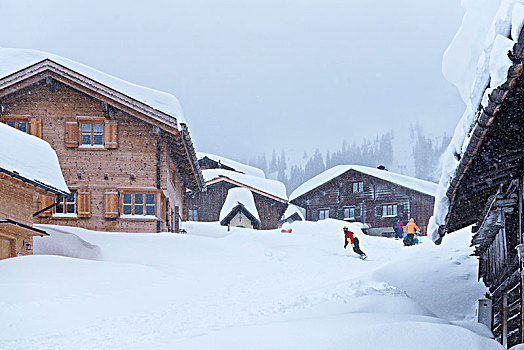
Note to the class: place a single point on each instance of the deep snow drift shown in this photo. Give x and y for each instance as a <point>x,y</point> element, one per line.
<point>244,289</point>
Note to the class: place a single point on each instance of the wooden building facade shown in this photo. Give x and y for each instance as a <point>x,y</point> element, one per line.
<point>128,164</point>
<point>371,196</point>
<point>487,192</point>
<point>206,206</point>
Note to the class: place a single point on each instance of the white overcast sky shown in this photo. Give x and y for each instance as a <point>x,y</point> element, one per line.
<point>253,76</point>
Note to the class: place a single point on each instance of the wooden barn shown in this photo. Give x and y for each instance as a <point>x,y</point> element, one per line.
<point>269,195</point>
<point>368,195</point>
<point>487,192</point>
<point>28,168</point>
<point>125,150</point>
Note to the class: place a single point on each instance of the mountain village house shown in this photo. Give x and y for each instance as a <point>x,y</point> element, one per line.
<point>269,195</point>
<point>124,150</point>
<point>28,168</point>
<point>487,191</point>
<point>368,195</point>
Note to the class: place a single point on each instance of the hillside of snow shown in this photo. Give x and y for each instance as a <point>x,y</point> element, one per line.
<point>244,289</point>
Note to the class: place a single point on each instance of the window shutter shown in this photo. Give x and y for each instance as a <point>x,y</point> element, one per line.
<point>84,203</point>
<point>341,213</point>
<point>366,186</point>
<point>110,134</point>
<point>400,211</point>
<point>111,205</point>
<point>358,213</point>
<point>35,127</point>
<point>43,202</point>
<point>378,210</point>
<point>71,133</point>
<point>315,214</point>
<point>159,205</point>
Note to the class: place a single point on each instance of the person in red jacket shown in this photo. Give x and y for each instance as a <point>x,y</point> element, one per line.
<point>351,238</point>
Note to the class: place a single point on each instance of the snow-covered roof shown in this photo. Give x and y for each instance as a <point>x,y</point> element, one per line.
<point>246,169</point>
<point>238,195</point>
<point>418,185</point>
<point>30,157</point>
<point>292,209</point>
<point>476,62</point>
<point>272,187</point>
<point>14,60</point>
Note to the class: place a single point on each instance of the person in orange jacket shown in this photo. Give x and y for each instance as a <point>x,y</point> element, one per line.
<point>351,238</point>
<point>410,229</point>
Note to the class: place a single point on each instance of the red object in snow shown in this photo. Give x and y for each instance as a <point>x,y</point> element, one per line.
<point>286,231</point>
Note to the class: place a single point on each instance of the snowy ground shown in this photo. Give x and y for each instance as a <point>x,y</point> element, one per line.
<point>243,290</point>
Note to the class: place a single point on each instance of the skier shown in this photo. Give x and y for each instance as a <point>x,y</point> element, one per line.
<point>351,238</point>
<point>411,229</point>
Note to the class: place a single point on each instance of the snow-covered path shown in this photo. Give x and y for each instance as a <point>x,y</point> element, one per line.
<point>246,289</point>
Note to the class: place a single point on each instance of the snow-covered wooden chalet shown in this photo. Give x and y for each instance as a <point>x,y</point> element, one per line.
<point>28,168</point>
<point>239,209</point>
<point>269,195</point>
<point>368,195</point>
<point>482,181</point>
<point>124,150</point>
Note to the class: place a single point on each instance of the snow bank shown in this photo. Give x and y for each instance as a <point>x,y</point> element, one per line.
<point>272,187</point>
<point>246,169</point>
<point>64,243</point>
<point>328,175</point>
<point>30,157</point>
<point>292,209</point>
<point>14,60</point>
<point>244,289</point>
<point>238,195</point>
<point>476,62</point>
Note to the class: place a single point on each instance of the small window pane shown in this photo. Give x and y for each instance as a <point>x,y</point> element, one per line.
<point>70,208</point>
<point>150,210</point>
<point>127,198</point>
<point>361,187</point>
<point>97,140</point>
<point>352,212</point>
<point>395,210</point>
<point>59,208</point>
<point>97,128</point>
<point>139,199</point>
<point>86,129</point>
<point>346,213</point>
<point>139,210</point>
<point>86,139</point>
<point>150,199</point>
<point>355,188</point>
<point>127,209</point>
<point>22,126</point>
<point>384,210</point>
<point>12,124</point>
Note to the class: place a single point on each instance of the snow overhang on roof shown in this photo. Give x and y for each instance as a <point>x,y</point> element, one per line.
<point>425,187</point>
<point>240,167</point>
<point>236,196</point>
<point>31,160</point>
<point>269,188</point>
<point>16,64</point>
<point>477,62</point>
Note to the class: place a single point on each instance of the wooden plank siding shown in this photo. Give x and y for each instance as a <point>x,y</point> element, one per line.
<point>338,194</point>
<point>210,202</point>
<point>133,160</point>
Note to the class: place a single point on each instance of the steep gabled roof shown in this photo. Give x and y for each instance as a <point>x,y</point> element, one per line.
<point>237,166</point>
<point>20,68</point>
<point>30,159</point>
<point>425,187</point>
<point>270,188</point>
<point>239,199</point>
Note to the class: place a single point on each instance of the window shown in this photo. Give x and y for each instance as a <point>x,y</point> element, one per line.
<point>66,206</point>
<point>358,187</point>
<point>139,204</point>
<point>349,213</point>
<point>323,214</point>
<point>389,210</point>
<point>193,214</point>
<point>92,134</point>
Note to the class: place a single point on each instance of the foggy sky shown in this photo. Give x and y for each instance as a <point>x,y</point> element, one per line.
<point>253,76</point>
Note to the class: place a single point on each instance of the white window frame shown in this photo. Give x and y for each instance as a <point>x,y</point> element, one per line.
<point>349,210</point>
<point>389,210</point>
<point>323,213</point>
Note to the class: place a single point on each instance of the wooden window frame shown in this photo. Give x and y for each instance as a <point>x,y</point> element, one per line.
<point>324,211</point>
<point>190,216</point>
<point>140,191</point>
<point>357,187</point>
<point>65,201</point>
<point>394,210</point>
<point>90,121</point>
